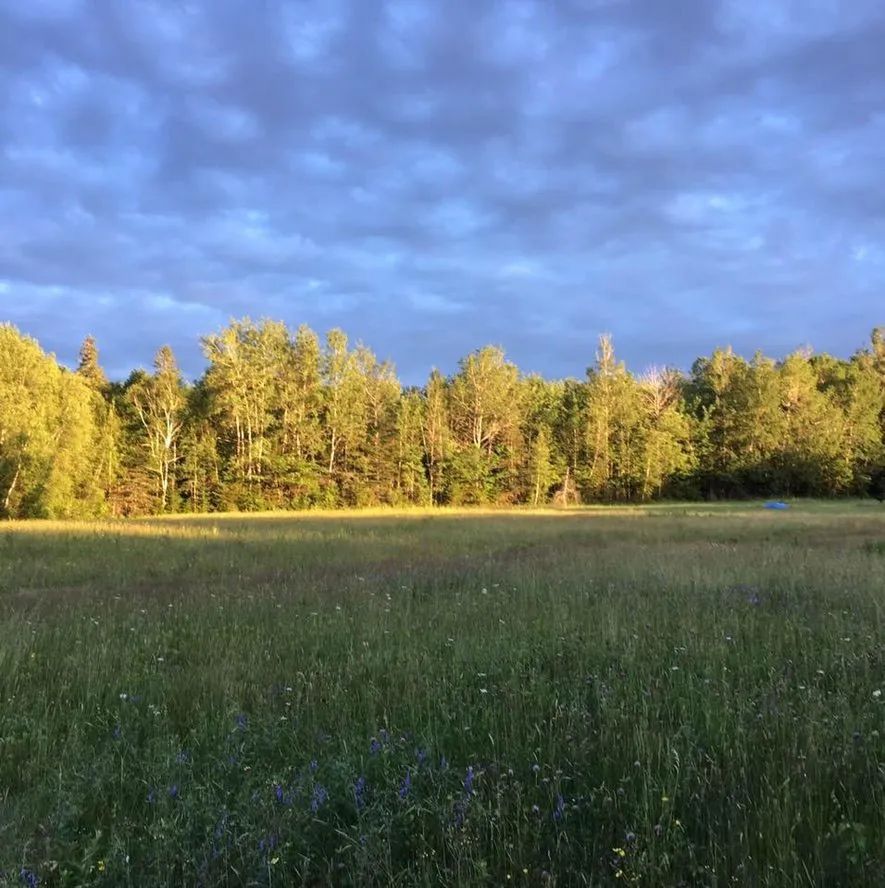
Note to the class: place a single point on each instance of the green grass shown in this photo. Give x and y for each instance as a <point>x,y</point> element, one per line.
<point>664,696</point>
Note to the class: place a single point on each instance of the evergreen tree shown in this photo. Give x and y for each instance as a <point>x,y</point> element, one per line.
<point>89,367</point>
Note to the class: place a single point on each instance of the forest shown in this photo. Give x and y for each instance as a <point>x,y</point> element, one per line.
<point>283,419</point>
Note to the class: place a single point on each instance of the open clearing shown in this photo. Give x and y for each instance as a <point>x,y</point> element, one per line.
<point>663,696</point>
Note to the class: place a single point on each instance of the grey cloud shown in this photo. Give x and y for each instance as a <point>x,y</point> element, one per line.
<point>431,178</point>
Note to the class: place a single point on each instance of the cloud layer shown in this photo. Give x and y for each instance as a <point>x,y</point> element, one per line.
<point>433,176</point>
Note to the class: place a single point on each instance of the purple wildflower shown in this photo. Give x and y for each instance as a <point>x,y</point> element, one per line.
<point>375,747</point>
<point>29,878</point>
<point>359,789</point>
<point>267,843</point>
<point>150,797</point>
<point>559,809</point>
<point>173,791</point>
<point>314,766</point>
<point>406,785</point>
<point>320,794</point>
<point>468,780</point>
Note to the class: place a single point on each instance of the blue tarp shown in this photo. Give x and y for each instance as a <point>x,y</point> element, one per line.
<point>776,505</point>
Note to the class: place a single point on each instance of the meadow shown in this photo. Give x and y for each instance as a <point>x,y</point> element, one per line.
<point>661,696</point>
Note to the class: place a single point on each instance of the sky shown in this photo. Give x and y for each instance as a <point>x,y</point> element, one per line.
<point>433,176</point>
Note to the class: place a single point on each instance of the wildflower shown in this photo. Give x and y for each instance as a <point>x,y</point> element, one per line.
<point>406,785</point>
<point>536,810</point>
<point>468,780</point>
<point>420,756</point>
<point>320,794</point>
<point>375,747</point>
<point>242,721</point>
<point>877,693</point>
<point>29,878</point>
<point>118,732</point>
<point>268,843</point>
<point>630,837</point>
<point>173,791</point>
<point>278,790</point>
<point>183,757</point>
<point>101,866</point>
<point>314,766</point>
<point>359,789</point>
<point>150,798</point>
<point>559,810</point>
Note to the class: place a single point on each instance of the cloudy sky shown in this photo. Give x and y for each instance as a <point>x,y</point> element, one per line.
<point>436,175</point>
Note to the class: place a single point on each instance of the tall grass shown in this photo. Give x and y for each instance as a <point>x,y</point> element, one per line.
<point>651,697</point>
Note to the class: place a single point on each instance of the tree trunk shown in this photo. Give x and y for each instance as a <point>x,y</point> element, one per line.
<point>11,490</point>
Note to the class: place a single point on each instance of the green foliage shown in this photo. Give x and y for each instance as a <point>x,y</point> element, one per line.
<point>281,421</point>
<point>53,430</point>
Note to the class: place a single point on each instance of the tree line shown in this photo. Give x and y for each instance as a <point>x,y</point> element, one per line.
<point>285,420</point>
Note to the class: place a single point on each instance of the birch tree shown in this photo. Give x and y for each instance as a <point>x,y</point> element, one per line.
<point>159,401</point>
